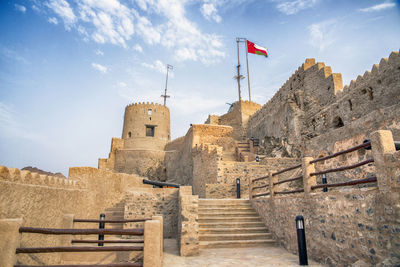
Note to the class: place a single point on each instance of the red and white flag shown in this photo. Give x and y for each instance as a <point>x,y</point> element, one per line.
<point>256,49</point>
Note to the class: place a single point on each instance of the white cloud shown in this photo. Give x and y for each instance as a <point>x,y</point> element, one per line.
<point>138,48</point>
<point>99,67</point>
<point>112,21</point>
<point>99,52</point>
<point>109,21</point>
<point>20,8</point>
<point>53,20</point>
<point>122,84</point>
<point>12,55</point>
<point>63,9</point>
<point>36,8</point>
<point>157,66</point>
<point>209,11</point>
<point>293,6</point>
<point>378,7</point>
<point>322,34</point>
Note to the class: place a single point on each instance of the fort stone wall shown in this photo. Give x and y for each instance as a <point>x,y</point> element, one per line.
<point>179,158</point>
<point>313,102</point>
<point>42,201</point>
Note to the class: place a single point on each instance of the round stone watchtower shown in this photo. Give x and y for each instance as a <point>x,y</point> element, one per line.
<point>146,126</point>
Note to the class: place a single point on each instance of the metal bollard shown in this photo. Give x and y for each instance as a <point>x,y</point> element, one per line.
<point>101,226</point>
<point>237,187</point>
<point>301,240</point>
<point>324,181</point>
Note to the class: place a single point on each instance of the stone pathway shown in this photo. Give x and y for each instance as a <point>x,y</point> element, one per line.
<point>228,257</point>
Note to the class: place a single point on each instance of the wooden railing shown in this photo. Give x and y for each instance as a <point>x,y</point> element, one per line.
<point>100,248</point>
<point>271,182</point>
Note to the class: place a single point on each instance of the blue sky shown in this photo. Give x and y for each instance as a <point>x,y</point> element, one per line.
<point>68,68</point>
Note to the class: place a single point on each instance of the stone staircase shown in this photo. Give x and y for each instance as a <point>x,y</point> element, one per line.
<point>225,223</point>
<point>115,213</point>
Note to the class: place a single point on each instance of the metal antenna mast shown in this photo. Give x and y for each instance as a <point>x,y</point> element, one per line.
<point>169,67</point>
<point>238,77</point>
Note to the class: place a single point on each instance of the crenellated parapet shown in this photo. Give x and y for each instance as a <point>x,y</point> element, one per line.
<point>14,175</point>
<point>147,105</point>
<point>313,102</point>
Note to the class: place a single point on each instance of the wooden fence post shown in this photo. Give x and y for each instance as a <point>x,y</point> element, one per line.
<point>152,240</point>
<point>161,220</point>
<point>308,180</point>
<point>272,187</point>
<point>382,149</point>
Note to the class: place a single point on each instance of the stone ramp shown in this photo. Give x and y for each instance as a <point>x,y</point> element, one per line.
<point>227,223</point>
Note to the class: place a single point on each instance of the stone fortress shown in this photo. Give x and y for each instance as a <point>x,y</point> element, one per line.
<point>310,117</point>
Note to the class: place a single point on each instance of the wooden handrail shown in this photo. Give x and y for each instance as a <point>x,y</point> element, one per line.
<point>82,241</point>
<point>353,182</point>
<point>261,186</point>
<point>53,231</point>
<point>289,180</point>
<point>109,221</point>
<point>286,170</point>
<point>260,195</point>
<point>127,264</point>
<point>289,192</point>
<point>367,144</point>
<point>260,178</point>
<point>78,249</point>
<point>343,168</point>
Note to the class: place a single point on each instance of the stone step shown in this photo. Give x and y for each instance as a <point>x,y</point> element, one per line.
<point>232,230</point>
<point>225,206</point>
<point>222,237</point>
<point>231,224</point>
<point>238,202</point>
<point>220,201</point>
<point>114,213</point>
<point>229,219</point>
<point>216,214</point>
<point>236,243</point>
<point>224,209</point>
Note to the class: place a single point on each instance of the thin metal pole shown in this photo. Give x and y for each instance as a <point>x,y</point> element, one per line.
<point>238,69</point>
<point>165,96</point>
<point>166,85</point>
<point>248,74</point>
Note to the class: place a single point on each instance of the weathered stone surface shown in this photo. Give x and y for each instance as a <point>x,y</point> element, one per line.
<point>188,227</point>
<point>144,203</point>
<point>341,227</point>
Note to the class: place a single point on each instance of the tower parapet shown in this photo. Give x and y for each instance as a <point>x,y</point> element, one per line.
<point>146,126</point>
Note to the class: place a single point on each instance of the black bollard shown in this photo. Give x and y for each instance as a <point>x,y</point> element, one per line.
<point>237,187</point>
<point>324,181</point>
<point>101,226</point>
<point>301,240</point>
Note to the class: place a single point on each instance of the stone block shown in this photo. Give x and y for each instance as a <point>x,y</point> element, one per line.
<point>9,241</point>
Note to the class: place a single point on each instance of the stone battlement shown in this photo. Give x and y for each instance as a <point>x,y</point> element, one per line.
<point>30,178</point>
<point>149,105</point>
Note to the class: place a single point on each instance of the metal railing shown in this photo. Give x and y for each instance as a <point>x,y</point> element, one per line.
<point>365,145</point>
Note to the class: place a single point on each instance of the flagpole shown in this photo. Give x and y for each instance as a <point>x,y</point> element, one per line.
<point>248,74</point>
